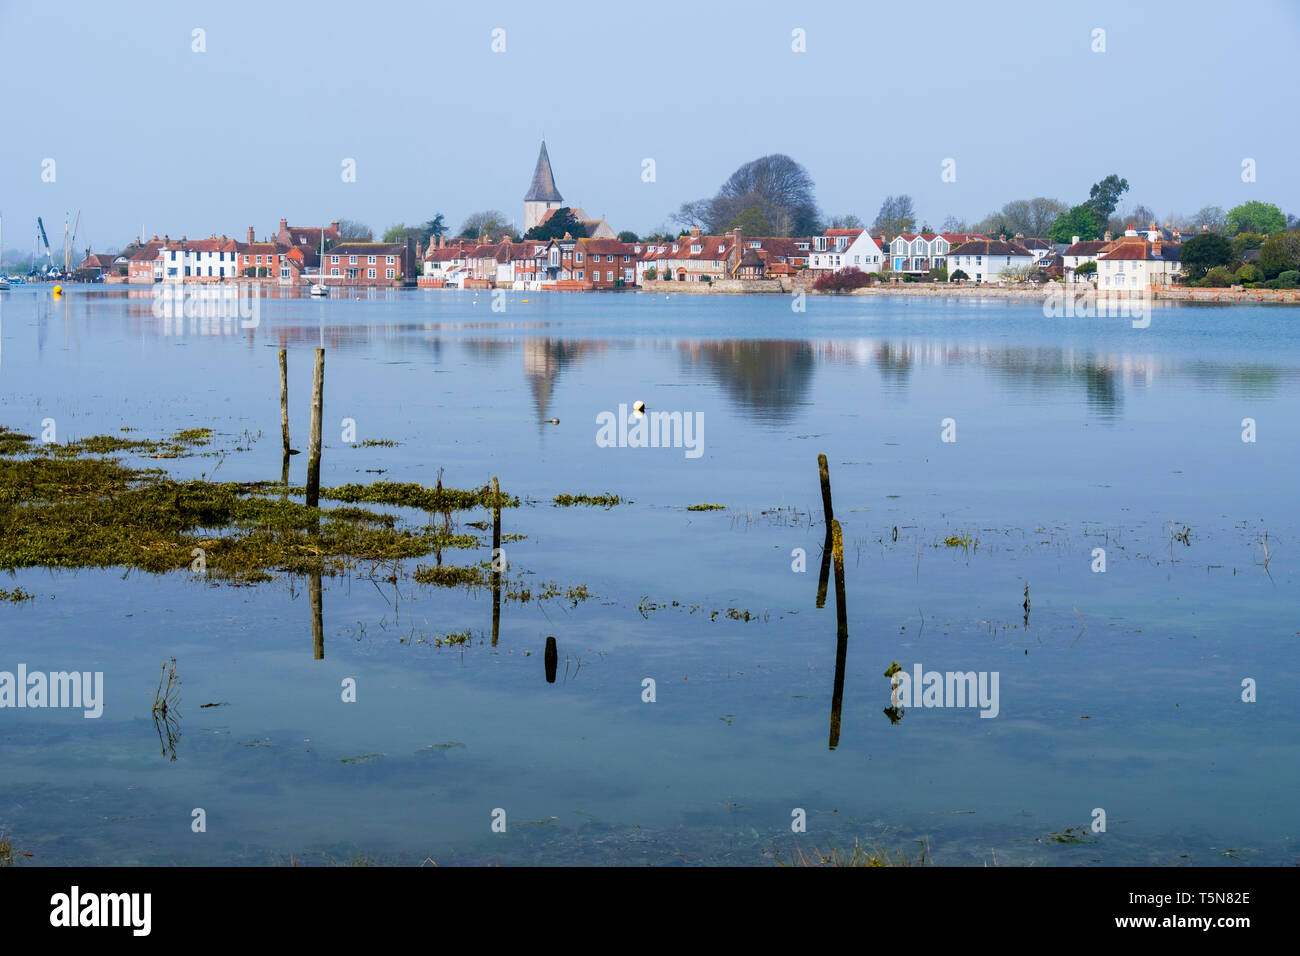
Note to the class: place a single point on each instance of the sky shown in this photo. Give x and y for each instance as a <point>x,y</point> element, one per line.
<point>147,134</point>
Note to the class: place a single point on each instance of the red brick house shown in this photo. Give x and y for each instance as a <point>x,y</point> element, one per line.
<point>370,263</point>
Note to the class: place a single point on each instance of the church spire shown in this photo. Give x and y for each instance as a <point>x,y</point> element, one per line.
<point>543,188</point>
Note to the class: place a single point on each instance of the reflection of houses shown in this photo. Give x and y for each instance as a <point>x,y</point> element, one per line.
<point>768,379</point>
<point>544,359</point>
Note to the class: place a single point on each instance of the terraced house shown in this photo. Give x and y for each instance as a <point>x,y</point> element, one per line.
<point>919,253</point>
<point>370,263</point>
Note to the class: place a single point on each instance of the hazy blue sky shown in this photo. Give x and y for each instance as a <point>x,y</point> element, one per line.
<point>147,133</point>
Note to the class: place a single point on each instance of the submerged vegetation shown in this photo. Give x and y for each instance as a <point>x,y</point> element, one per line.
<point>604,501</point>
<point>706,507</point>
<point>73,509</point>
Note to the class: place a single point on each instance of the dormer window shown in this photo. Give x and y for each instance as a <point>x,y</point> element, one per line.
<point>696,248</point>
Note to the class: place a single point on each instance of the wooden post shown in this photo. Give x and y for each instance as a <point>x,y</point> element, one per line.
<point>841,632</point>
<point>497,559</point>
<point>824,470</point>
<point>313,448</point>
<point>284,405</point>
<point>317,627</point>
<point>823,579</point>
<point>552,659</point>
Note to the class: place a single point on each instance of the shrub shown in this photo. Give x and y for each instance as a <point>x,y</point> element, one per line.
<point>1248,273</point>
<point>1219,277</point>
<point>842,280</point>
<point>959,276</point>
<point>1289,279</point>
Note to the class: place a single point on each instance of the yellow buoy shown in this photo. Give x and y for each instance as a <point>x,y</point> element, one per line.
<point>58,290</point>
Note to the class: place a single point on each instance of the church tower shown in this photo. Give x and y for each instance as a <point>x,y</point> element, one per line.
<point>542,194</point>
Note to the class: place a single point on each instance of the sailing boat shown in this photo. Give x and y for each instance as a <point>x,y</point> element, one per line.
<point>4,281</point>
<point>318,288</point>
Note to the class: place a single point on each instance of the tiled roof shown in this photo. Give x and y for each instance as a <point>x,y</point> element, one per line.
<point>990,247</point>
<point>1088,247</point>
<point>367,249</point>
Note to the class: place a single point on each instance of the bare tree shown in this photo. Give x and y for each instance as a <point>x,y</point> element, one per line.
<point>693,215</point>
<point>489,223</point>
<point>352,229</point>
<point>897,214</point>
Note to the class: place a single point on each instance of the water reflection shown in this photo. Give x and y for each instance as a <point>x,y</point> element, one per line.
<point>767,379</point>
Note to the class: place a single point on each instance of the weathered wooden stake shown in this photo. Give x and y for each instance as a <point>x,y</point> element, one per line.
<point>313,448</point>
<point>497,560</point>
<point>284,408</point>
<point>823,579</point>
<point>824,470</point>
<point>317,627</point>
<point>841,633</point>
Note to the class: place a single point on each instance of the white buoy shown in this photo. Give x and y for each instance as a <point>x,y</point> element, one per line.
<point>638,409</point>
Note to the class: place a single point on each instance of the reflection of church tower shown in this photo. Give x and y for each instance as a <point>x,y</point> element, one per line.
<point>543,360</point>
<point>542,194</point>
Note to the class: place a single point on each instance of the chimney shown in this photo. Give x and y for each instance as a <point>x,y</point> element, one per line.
<point>695,232</point>
<point>284,225</point>
<point>1074,240</point>
<point>1205,227</point>
<point>1155,247</point>
<point>250,234</point>
<point>1106,236</point>
<point>1153,233</point>
<point>334,225</point>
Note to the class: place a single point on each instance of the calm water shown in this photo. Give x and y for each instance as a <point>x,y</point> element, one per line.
<point>1123,692</point>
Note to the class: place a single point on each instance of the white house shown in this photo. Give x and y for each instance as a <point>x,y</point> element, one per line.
<point>837,249</point>
<point>199,259</point>
<point>1136,261</point>
<point>985,260</point>
<point>1077,253</point>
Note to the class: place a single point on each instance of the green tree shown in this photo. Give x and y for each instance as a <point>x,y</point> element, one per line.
<point>1244,241</point>
<point>1203,252</point>
<point>1255,216</point>
<point>1104,196</point>
<point>1081,221</point>
<point>751,222</point>
<point>560,222</point>
<point>1086,268</point>
<point>435,228</point>
<point>1281,253</point>
<point>627,235</point>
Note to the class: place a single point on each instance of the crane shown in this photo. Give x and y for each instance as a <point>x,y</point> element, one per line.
<point>40,228</point>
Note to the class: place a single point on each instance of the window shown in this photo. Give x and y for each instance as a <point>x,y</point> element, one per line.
<point>259,260</point>
<point>334,260</point>
<point>579,257</point>
<point>579,276</point>
<point>697,249</point>
<point>352,260</point>
<point>370,273</point>
<point>390,260</point>
<point>390,274</point>
<point>370,260</point>
<point>334,272</point>
<point>979,260</point>
<point>609,276</point>
<point>627,258</point>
